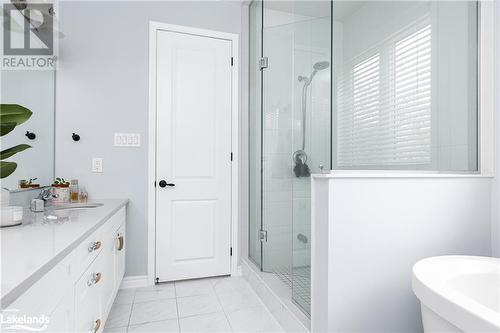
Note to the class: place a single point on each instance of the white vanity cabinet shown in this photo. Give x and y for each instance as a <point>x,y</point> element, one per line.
<point>78,292</point>
<point>96,288</point>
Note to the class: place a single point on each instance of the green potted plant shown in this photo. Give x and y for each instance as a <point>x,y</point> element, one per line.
<point>28,183</point>
<point>60,182</point>
<point>11,115</point>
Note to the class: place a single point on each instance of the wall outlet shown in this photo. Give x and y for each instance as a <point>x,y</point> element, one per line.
<point>127,140</point>
<point>96,164</point>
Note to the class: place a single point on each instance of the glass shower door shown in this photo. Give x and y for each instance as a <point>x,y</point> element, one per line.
<point>295,134</point>
<point>277,145</point>
<point>290,134</point>
<point>312,101</point>
<point>255,134</point>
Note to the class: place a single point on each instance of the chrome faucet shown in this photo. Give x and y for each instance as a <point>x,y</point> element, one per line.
<point>46,195</point>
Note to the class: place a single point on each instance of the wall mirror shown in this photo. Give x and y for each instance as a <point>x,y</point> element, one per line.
<point>35,91</point>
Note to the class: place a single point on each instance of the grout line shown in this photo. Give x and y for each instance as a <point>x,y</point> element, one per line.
<point>130,315</point>
<point>200,314</point>
<point>133,298</point>
<point>177,307</point>
<point>131,308</point>
<point>152,321</point>
<point>223,310</point>
<point>154,300</point>
<point>196,295</point>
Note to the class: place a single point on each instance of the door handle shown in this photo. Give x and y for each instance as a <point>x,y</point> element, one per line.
<point>96,327</point>
<point>120,242</point>
<point>163,183</point>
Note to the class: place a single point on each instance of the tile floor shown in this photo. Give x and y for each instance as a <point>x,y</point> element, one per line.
<point>225,304</point>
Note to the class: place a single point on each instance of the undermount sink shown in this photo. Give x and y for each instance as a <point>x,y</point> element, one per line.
<point>73,206</point>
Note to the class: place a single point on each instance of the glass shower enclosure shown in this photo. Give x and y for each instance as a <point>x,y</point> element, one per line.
<point>290,134</point>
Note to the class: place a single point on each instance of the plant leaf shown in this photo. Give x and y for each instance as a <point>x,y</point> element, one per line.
<point>6,128</point>
<point>13,150</point>
<point>14,113</point>
<point>6,168</point>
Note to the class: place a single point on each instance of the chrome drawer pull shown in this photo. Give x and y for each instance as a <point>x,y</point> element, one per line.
<point>96,327</point>
<point>96,277</point>
<point>94,246</point>
<point>120,242</point>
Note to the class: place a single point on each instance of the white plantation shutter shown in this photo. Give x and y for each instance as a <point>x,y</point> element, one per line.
<point>384,105</point>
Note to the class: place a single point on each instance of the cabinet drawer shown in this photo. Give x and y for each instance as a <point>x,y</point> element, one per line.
<point>90,248</point>
<point>89,296</point>
<point>61,319</point>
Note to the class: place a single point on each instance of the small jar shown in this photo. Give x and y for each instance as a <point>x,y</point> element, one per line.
<point>73,189</point>
<point>83,195</point>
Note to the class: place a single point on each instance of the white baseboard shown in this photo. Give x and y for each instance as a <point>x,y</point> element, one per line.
<point>137,281</point>
<point>237,271</point>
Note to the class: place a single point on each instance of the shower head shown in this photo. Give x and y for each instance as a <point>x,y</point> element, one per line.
<point>320,65</point>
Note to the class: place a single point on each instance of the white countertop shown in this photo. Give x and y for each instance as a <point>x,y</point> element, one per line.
<point>30,250</point>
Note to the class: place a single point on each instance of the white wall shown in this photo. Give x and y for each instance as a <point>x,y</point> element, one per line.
<point>373,233</point>
<point>102,88</point>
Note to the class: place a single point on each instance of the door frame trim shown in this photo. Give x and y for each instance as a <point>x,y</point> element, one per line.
<point>151,195</point>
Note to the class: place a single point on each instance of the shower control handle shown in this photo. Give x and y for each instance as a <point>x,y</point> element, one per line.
<point>163,183</point>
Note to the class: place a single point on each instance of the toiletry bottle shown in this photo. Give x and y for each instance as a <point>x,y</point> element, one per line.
<point>73,189</point>
<point>83,194</point>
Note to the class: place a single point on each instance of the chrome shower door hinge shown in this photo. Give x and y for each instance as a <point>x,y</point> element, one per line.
<point>263,235</point>
<point>263,63</point>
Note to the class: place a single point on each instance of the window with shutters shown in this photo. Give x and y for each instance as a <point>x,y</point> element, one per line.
<point>384,104</point>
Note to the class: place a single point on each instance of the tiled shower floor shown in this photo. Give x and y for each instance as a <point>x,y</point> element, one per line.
<point>301,281</point>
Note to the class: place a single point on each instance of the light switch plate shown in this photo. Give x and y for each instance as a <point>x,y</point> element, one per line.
<point>127,140</point>
<point>96,164</point>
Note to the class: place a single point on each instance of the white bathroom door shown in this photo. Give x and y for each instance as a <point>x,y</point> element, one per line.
<point>193,156</point>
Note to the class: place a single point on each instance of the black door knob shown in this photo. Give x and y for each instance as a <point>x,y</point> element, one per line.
<point>163,183</point>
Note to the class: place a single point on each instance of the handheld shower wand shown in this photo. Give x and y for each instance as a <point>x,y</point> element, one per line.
<point>300,156</point>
